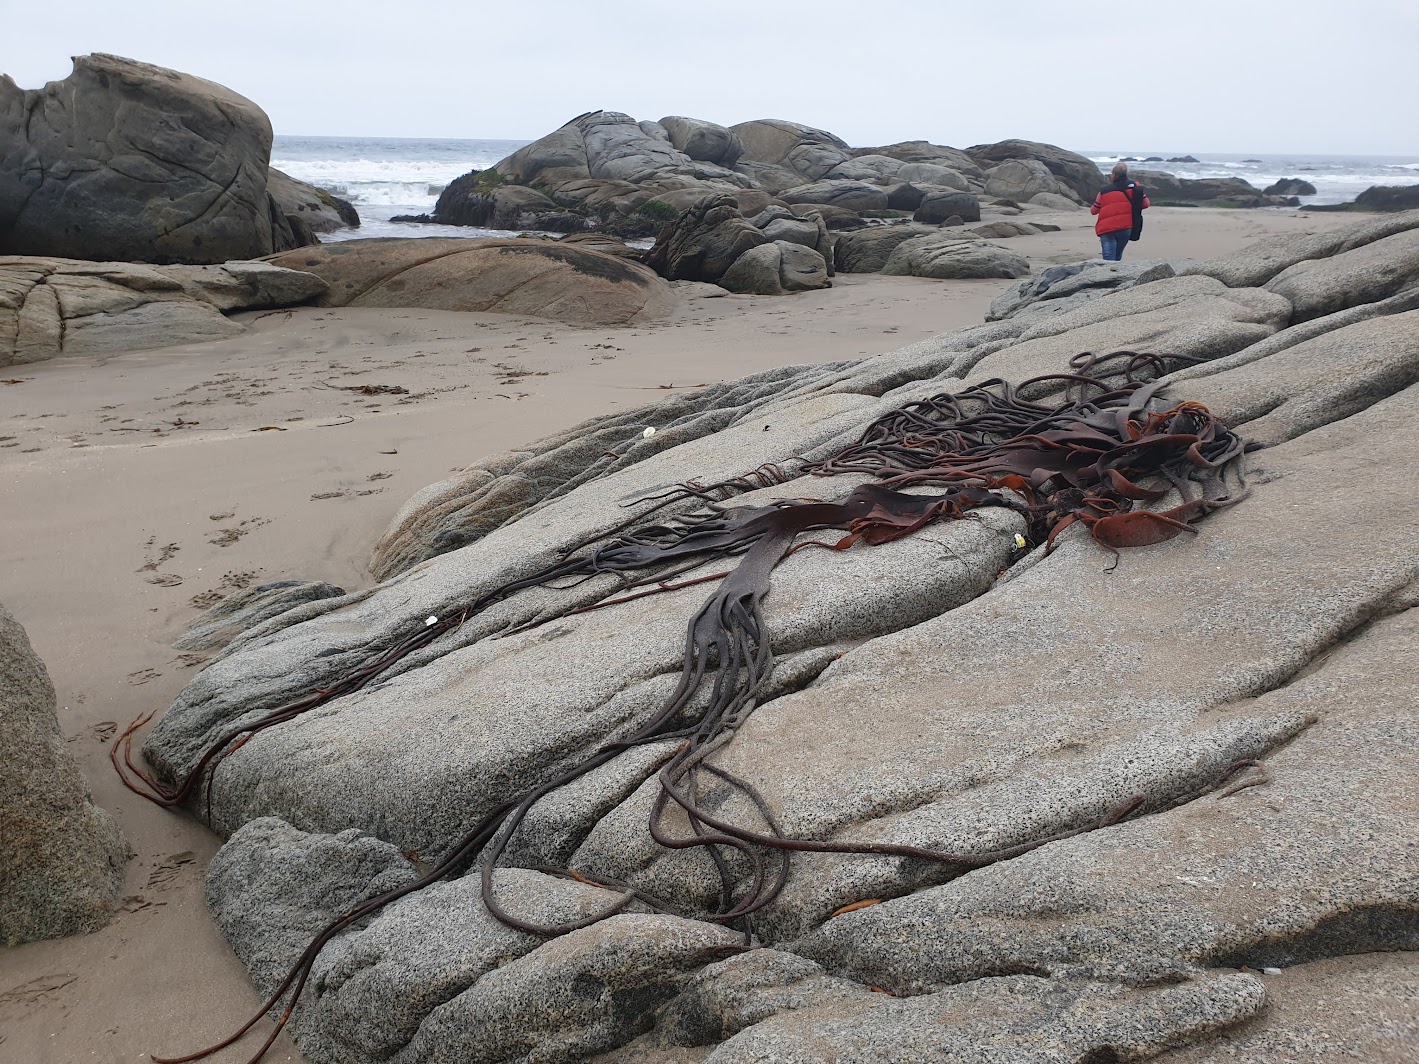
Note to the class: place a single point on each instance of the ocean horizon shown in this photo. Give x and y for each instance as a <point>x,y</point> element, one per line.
<point>385,177</point>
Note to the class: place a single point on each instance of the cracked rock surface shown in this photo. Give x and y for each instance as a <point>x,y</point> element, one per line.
<point>1254,684</point>
<point>51,307</point>
<point>80,160</point>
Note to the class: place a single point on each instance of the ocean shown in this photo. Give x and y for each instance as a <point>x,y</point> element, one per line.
<point>388,176</point>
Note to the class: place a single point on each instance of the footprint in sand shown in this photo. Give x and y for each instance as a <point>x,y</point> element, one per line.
<point>19,1001</point>
<point>156,556</point>
<point>103,731</point>
<point>166,872</point>
<point>143,676</point>
<point>225,537</point>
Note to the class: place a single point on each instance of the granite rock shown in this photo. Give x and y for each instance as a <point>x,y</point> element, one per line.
<point>528,277</point>
<point>946,255</point>
<point>775,268</point>
<point>928,692</point>
<point>321,211</point>
<point>62,858</point>
<point>704,241</point>
<point>52,307</point>
<point>79,160</point>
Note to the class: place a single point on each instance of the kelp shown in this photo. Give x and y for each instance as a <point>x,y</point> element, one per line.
<point>1092,456</point>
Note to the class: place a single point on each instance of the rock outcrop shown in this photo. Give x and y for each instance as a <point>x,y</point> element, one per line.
<point>51,307</point>
<point>477,199</point>
<point>80,158</point>
<point>1059,289</point>
<point>1075,172</point>
<point>607,171</point>
<point>61,857</point>
<point>775,268</point>
<point>531,277</point>
<point>1231,191</point>
<point>952,255</point>
<point>1023,179</point>
<point>1389,198</point>
<point>1290,186</point>
<point>320,211</point>
<point>937,691</point>
<point>867,250</point>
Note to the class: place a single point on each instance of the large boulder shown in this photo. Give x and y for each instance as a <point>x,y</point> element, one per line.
<point>933,174</point>
<point>1388,198</point>
<point>872,168</point>
<point>319,210</point>
<point>810,230</point>
<point>1058,289</point>
<point>948,255</point>
<point>704,241</point>
<point>80,160</point>
<point>605,160</point>
<point>1023,179</point>
<point>1071,169</point>
<point>477,199</point>
<point>702,140</point>
<point>808,152</point>
<point>62,861</point>
<point>940,205</point>
<point>51,307</point>
<point>849,195</point>
<point>1290,186</point>
<point>867,250</point>
<point>529,277</point>
<point>775,268</point>
<point>921,151</point>
<point>768,176</point>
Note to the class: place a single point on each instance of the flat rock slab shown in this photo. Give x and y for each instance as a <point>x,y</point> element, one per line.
<point>1139,699</point>
<point>1195,316</point>
<point>51,307</point>
<point>534,278</point>
<point>1258,263</point>
<point>1318,861</point>
<point>925,695</point>
<point>1299,388</point>
<point>1363,275</point>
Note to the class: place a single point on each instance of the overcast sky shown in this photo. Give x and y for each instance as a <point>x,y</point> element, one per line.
<point>1183,76</point>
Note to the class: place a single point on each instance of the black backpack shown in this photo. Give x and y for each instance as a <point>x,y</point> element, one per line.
<point>1137,200</point>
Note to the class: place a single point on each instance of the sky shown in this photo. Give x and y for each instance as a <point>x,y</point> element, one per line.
<point>1185,76</point>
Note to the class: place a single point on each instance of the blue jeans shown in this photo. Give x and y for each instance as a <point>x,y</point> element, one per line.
<point>1114,243</point>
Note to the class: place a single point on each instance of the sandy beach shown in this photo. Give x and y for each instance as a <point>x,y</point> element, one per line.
<point>136,489</point>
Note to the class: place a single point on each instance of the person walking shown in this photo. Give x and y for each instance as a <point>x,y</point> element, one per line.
<point>1119,206</point>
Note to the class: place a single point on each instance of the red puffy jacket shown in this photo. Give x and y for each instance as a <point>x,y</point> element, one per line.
<point>1114,206</point>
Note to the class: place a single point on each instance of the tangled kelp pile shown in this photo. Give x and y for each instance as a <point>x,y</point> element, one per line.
<point>1091,457</point>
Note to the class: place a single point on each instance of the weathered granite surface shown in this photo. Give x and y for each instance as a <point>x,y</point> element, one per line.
<point>934,691</point>
<point>80,159</point>
<point>62,858</point>
<point>535,278</point>
<point>51,307</point>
